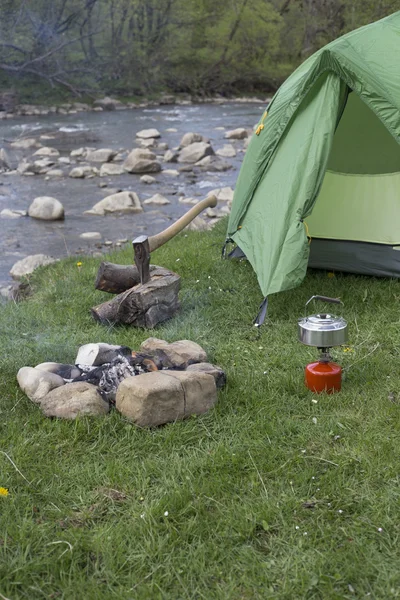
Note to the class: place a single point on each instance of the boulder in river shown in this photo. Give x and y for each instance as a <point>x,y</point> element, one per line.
<point>171,156</point>
<point>5,164</point>
<point>141,161</point>
<point>46,208</point>
<point>157,199</point>
<point>47,151</point>
<point>102,155</point>
<point>24,144</point>
<point>148,179</point>
<point>191,138</point>
<point>107,103</point>
<point>27,265</point>
<point>10,213</point>
<point>122,202</point>
<point>145,134</point>
<point>213,163</point>
<point>111,169</point>
<point>236,134</point>
<point>195,152</point>
<point>227,151</point>
<point>83,172</point>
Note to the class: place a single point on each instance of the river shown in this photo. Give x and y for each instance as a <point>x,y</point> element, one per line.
<point>115,129</point>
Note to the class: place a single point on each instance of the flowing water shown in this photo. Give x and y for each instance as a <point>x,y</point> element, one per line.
<point>25,236</point>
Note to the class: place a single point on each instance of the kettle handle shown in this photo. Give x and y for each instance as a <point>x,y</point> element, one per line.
<point>324,299</point>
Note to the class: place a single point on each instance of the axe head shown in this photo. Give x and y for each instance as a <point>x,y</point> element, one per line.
<point>141,251</point>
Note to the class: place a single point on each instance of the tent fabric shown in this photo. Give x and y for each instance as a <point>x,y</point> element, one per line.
<point>284,167</point>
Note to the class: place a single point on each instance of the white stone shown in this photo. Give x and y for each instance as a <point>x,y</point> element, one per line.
<point>171,172</point>
<point>148,133</point>
<point>25,144</point>
<point>91,235</point>
<point>27,265</point>
<point>236,134</point>
<point>36,383</point>
<point>55,173</point>
<point>227,151</point>
<point>109,169</point>
<point>148,143</point>
<point>171,156</point>
<point>102,155</point>
<point>64,160</point>
<point>157,199</point>
<point>8,213</point>
<point>191,138</point>
<point>122,202</point>
<point>184,200</point>
<point>82,172</point>
<point>224,194</point>
<point>46,208</point>
<point>148,179</point>
<point>141,161</point>
<point>47,151</point>
<point>96,354</point>
<point>195,152</point>
<point>171,130</point>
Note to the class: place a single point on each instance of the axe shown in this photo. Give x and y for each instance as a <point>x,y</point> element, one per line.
<point>144,245</point>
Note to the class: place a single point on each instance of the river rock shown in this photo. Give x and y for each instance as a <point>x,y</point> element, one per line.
<point>73,400</point>
<point>123,202</point>
<point>157,199</point>
<point>178,354</point>
<point>25,167</point>
<point>159,397</point>
<point>171,156</point>
<point>224,194</point>
<point>213,163</point>
<point>27,265</point>
<point>141,161</point>
<point>99,354</point>
<point>8,213</point>
<point>111,169</point>
<point>195,152</point>
<point>102,155</point>
<point>80,152</point>
<point>24,144</point>
<point>227,151</point>
<point>42,166</point>
<point>191,138</point>
<point>171,172</point>
<point>83,172</point>
<point>148,179</point>
<point>184,200</point>
<point>216,372</point>
<point>46,208</point>
<point>36,383</point>
<point>107,103</point>
<point>148,133</point>
<point>91,235</point>
<point>199,224</point>
<point>5,164</point>
<point>236,134</point>
<point>47,151</point>
<point>54,173</point>
<point>148,143</point>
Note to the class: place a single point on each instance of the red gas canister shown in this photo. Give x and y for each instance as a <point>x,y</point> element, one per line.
<point>323,376</point>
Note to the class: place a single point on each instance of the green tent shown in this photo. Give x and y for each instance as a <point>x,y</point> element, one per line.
<point>324,164</point>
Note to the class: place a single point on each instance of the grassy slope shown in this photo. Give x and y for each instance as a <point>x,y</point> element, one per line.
<point>233,481</point>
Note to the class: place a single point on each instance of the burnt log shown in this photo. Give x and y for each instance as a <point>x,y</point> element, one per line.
<point>116,279</point>
<point>144,305</point>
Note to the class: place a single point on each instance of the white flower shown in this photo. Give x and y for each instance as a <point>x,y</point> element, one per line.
<point>142,516</point>
<point>166,514</point>
<point>340,511</point>
<point>380,529</point>
<point>297,527</point>
<point>314,420</point>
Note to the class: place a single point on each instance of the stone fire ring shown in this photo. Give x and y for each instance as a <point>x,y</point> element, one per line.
<point>162,382</point>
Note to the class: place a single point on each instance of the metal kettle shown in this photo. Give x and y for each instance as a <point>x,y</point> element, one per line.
<point>323,330</point>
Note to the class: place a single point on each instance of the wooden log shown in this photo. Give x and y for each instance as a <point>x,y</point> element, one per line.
<point>115,279</point>
<point>143,305</point>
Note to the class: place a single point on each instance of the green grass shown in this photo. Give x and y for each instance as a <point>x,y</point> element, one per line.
<point>236,482</point>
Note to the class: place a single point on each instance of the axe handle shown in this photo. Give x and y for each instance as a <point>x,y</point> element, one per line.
<point>155,241</point>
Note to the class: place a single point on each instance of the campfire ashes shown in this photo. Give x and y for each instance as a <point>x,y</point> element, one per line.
<point>158,394</point>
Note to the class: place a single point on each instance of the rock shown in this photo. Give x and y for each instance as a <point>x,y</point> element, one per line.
<point>195,152</point>
<point>42,166</point>
<point>216,372</point>
<point>157,199</point>
<point>62,370</point>
<point>171,130</point>
<point>191,138</point>
<point>5,164</point>
<point>36,383</point>
<point>141,161</point>
<point>213,163</point>
<point>167,99</point>
<point>46,208</point>
<point>99,354</point>
<point>24,167</point>
<point>8,213</point>
<point>73,400</point>
<point>148,143</point>
<point>177,354</point>
<point>148,133</point>
<point>224,194</point>
<point>91,235</point>
<point>148,179</point>
<point>199,224</point>
<point>82,172</point>
<point>162,147</point>
<point>236,134</point>
<point>111,169</point>
<point>123,202</point>
<point>103,155</point>
<point>227,151</point>
<point>24,144</point>
<point>107,103</point>
<point>171,156</point>
<point>47,151</point>
<point>27,265</point>
<point>55,173</point>
<point>184,200</point>
<point>152,399</point>
<point>171,172</point>
<point>80,152</point>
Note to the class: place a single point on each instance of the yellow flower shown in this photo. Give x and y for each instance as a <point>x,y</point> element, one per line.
<point>79,264</point>
<point>348,349</point>
<point>3,491</point>
<point>330,275</point>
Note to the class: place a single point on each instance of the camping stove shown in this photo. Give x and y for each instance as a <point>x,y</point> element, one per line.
<point>323,331</point>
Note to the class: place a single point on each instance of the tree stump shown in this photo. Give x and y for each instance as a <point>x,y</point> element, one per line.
<point>144,305</point>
